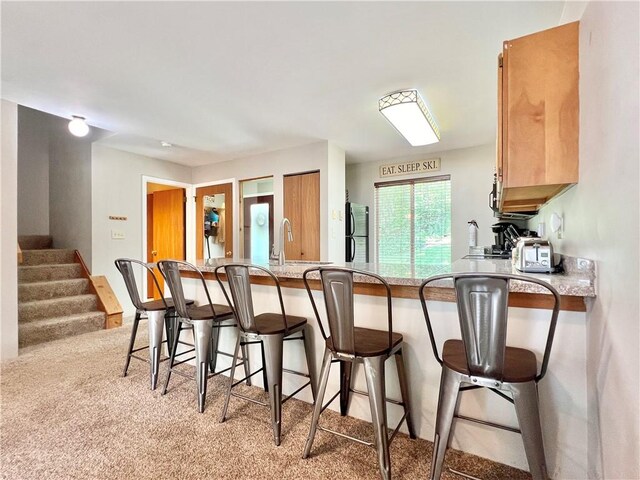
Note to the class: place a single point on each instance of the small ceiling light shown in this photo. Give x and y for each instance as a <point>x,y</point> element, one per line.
<point>407,112</point>
<point>78,126</point>
<point>166,144</point>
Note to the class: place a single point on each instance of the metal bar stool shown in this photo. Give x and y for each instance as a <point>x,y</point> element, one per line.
<point>270,330</point>
<point>352,344</point>
<point>483,360</point>
<point>156,311</point>
<point>206,320</point>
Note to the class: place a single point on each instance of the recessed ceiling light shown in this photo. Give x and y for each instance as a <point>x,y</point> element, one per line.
<point>166,144</point>
<point>78,126</point>
<point>408,113</point>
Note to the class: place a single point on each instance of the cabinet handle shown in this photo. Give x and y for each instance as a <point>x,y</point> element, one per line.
<point>229,253</point>
<point>154,253</point>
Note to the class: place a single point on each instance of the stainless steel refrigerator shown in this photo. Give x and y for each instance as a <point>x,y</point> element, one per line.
<point>357,233</point>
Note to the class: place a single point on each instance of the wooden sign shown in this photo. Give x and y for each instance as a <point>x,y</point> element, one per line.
<point>407,168</point>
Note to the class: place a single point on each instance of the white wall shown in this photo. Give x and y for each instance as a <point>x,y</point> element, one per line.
<point>278,163</point>
<point>116,179</point>
<point>471,171</point>
<point>70,188</point>
<point>33,171</point>
<point>601,222</point>
<point>9,232</point>
<point>336,199</point>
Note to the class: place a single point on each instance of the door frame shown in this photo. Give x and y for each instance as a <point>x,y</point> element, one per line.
<point>163,181</point>
<point>191,215</point>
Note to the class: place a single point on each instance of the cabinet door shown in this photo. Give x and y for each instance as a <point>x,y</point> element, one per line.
<point>540,110</point>
<point>302,207</point>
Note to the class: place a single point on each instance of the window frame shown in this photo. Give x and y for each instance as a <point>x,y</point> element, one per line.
<point>412,182</point>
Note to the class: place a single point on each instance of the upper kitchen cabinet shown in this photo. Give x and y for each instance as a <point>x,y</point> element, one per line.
<point>538,117</point>
<point>302,208</point>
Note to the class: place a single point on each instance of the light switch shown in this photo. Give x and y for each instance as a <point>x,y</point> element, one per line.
<point>334,215</point>
<point>340,215</point>
<point>117,235</point>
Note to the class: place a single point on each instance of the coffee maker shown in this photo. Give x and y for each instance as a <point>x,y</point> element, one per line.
<point>507,235</point>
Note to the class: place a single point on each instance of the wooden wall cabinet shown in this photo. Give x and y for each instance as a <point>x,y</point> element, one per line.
<point>302,208</point>
<point>538,117</point>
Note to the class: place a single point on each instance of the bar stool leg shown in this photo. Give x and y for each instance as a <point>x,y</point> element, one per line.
<point>213,350</point>
<point>170,328</point>
<point>447,400</point>
<point>404,391</point>
<point>346,373</point>
<point>156,322</point>
<point>132,341</point>
<point>172,358</point>
<point>232,373</point>
<point>317,406</point>
<point>273,355</point>
<point>245,363</point>
<point>202,330</point>
<point>265,384</point>
<point>374,374</point>
<point>525,398</point>
<point>311,364</point>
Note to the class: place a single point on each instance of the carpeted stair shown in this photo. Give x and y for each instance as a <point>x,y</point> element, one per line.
<point>54,300</point>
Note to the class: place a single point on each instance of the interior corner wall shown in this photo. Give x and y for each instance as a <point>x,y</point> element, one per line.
<point>601,223</point>
<point>336,200</point>
<point>9,229</point>
<point>471,171</point>
<point>116,179</point>
<point>277,163</point>
<point>33,171</point>
<point>70,189</point>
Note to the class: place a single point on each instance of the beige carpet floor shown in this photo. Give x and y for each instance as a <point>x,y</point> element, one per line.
<point>66,413</point>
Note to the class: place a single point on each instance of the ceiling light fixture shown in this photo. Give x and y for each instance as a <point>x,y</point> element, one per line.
<point>78,126</point>
<point>407,112</point>
<point>166,144</point>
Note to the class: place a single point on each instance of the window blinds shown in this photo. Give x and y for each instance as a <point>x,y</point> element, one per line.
<point>413,221</point>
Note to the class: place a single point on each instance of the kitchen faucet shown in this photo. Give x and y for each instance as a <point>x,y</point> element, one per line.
<point>284,221</point>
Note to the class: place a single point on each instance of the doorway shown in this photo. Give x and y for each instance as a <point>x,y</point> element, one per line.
<point>165,229</point>
<point>214,221</point>
<point>256,219</point>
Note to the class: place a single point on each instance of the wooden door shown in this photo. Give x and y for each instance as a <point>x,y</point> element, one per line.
<point>302,208</point>
<point>165,211</point>
<point>223,241</point>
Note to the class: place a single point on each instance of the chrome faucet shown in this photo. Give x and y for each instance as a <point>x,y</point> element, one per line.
<point>284,221</point>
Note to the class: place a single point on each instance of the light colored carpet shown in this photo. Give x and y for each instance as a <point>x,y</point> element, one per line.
<point>66,413</point>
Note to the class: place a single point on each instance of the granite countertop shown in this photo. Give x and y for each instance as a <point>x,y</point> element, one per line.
<point>577,280</point>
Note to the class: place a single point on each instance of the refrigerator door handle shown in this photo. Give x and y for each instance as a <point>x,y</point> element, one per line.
<point>353,249</point>
<point>353,224</point>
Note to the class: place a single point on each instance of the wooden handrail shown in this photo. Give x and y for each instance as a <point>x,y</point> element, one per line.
<point>107,300</point>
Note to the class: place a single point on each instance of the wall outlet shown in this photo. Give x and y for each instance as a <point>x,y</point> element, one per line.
<point>117,235</point>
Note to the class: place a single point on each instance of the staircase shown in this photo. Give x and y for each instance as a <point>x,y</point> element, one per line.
<point>54,297</point>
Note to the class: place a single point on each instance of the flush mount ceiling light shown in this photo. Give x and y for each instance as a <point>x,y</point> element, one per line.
<point>78,126</point>
<point>166,144</point>
<point>407,112</point>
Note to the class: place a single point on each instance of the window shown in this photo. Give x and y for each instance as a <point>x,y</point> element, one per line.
<point>413,221</point>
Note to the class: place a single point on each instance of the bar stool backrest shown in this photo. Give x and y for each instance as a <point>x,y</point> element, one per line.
<point>482,311</point>
<point>337,287</point>
<point>482,300</point>
<point>125,267</point>
<point>170,270</point>
<point>239,281</point>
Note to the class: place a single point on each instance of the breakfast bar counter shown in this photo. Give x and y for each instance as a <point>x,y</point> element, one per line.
<point>563,392</point>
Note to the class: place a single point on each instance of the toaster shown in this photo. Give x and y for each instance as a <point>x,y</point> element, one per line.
<point>533,255</point>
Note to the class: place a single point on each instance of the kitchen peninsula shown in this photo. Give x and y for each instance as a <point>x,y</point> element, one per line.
<point>563,397</point>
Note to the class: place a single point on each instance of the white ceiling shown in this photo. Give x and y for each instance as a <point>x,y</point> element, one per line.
<point>226,80</point>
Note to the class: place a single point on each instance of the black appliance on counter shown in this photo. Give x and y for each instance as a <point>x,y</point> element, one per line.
<point>507,235</point>
<point>357,233</point>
